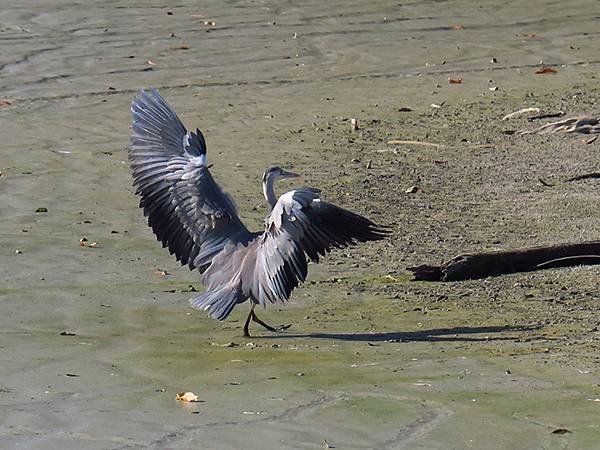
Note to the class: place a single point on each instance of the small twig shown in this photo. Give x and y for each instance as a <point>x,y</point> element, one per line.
<point>569,261</point>
<point>425,144</point>
<point>585,176</point>
<point>545,183</point>
<point>546,116</point>
<point>520,113</point>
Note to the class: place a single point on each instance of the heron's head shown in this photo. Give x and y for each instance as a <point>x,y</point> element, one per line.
<point>277,173</point>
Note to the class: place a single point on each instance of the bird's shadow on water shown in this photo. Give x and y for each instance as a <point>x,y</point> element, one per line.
<point>456,334</point>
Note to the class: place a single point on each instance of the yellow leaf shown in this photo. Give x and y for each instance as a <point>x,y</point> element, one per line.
<point>545,69</point>
<point>186,397</point>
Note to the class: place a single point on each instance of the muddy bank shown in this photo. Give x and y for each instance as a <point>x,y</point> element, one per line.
<point>372,360</point>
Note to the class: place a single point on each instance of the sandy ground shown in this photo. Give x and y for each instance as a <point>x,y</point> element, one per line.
<point>373,360</point>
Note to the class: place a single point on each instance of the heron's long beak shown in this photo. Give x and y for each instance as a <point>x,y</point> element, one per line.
<point>286,174</point>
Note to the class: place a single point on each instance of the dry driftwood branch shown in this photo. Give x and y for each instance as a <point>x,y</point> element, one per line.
<point>483,265</point>
<point>583,124</point>
<point>520,113</point>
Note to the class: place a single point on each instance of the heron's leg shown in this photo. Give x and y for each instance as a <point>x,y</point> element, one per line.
<point>250,314</point>
<point>268,327</point>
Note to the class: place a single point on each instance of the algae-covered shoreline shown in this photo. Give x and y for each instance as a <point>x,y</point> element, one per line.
<point>373,360</point>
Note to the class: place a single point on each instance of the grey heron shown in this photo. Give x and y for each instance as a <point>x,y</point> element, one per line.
<point>198,222</point>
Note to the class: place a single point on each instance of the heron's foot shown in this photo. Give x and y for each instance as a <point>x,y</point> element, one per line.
<point>267,326</point>
<point>276,328</point>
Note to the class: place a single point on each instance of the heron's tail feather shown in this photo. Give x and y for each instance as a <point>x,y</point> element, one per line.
<point>219,304</point>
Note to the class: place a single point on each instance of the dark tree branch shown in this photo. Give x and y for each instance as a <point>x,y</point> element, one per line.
<point>483,265</point>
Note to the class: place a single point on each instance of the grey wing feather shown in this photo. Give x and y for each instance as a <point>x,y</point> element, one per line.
<point>187,210</point>
<point>301,226</point>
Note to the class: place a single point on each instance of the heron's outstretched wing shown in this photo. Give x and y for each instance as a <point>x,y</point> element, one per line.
<point>186,208</point>
<point>301,226</point>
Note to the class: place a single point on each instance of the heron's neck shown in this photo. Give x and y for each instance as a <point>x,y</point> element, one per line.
<point>269,191</point>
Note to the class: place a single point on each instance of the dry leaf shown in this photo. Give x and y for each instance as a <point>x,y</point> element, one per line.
<point>353,124</point>
<point>529,35</point>
<point>184,47</point>
<point>458,27</point>
<point>561,431</point>
<point>404,109</point>
<point>161,272</point>
<point>591,140</point>
<point>93,244</point>
<point>186,397</point>
<point>412,190</point>
<point>210,23</point>
<point>82,241</point>
<point>4,103</point>
<point>545,69</point>
<point>151,63</point>
<point>455,80</point>
<point>41,210</point>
